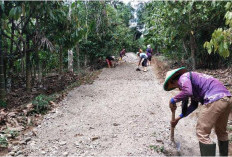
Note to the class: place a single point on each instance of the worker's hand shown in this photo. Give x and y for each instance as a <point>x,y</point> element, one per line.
<point>172,106</point>
<point>174,123</point>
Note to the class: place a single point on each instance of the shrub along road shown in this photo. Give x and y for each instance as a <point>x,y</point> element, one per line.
<point>124,112</point>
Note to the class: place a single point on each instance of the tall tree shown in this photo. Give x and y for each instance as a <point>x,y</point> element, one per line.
<point>2,78</point>
<point>70,51</point>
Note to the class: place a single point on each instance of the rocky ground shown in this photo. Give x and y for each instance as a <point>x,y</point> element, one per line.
<point>123,113</point>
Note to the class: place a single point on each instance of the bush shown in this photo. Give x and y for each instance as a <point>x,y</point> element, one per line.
<point>12,133</point>
<point>3,141</point>
<point>41,104</point>
<point>3,104</point>
<point>157,148</point>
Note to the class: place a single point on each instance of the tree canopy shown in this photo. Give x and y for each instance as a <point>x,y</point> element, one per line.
<point>179,29</point>
<point>38,38</point>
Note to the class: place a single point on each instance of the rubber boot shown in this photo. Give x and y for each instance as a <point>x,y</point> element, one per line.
<point>223,147</point>
<point>207,149</point>
<point>145,69</point>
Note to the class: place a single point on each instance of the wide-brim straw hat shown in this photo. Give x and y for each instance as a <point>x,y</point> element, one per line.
<point>172,74</point>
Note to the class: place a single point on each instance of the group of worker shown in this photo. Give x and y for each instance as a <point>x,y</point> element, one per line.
<point>110,59</point>
<point>145,57</point>
<point>216,103</point>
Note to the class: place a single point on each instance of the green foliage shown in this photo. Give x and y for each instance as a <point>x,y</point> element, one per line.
<point>219,43</point>
<point>230,138</point>
<point>157,148</point>
<point>45,31</point>
<point>15,12</point>
<point>13,133</point>
<point>154,134</point>
<point>1,6</point>
<point>3,104</point>
<point>3,141</point>
<point>41,104</point>
<point>229,128</point>
<point>170,25</point>
<point>221,38</point>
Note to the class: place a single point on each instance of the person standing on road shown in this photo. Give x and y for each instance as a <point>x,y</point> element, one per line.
<point>142,58</point>
<point>149,54</point>
<point>122,53</point>
<point>216,101</point>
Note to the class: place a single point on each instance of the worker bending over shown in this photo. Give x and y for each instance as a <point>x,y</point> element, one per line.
<point>216,101</point>
<point>142,58</point>
<point>109,60</point>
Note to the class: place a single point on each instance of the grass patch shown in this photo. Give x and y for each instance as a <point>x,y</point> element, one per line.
<point>41,104</point>
<point>157,148</point>
<point>154,134</point>
<point>13,133</point>
<point>3,104</point>
<point>3,141</point>
<point>229,128</point>
<point>230,138</point>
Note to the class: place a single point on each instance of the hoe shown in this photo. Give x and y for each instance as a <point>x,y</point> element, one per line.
<point>177,144</point>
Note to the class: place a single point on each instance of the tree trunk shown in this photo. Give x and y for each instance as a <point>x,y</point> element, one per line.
<point>184,46</point>
<point>85,60</point>
<point>192,43</point>
<point>37,59</point>
<point>7,79</point>
<point>70,60</point>
<point>33,72</point>
<point>2,79</point>
<point>39,74</point>
<point>22,66</point>
<point>11,63</point>
<point>86,34</point>
<point>61,60</point>
<point>78,57</point>
<point>70,52</point>
<point>28,65</point>
<point>5,63</point>
<point>193,50</point>
<point>38,67</point>
<point>86,20</point>
<point>23,44</point>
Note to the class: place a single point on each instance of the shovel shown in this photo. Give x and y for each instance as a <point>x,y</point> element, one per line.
<point>177,144</point>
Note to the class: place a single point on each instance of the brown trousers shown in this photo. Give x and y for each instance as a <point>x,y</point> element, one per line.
<point>214,115</point>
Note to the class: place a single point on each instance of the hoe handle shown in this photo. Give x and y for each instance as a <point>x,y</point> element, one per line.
<point>172,128</point>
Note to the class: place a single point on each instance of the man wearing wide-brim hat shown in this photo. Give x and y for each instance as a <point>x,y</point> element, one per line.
<point>216,101</point>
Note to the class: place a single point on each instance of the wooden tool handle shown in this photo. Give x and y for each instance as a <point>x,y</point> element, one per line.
<point>172,128</point>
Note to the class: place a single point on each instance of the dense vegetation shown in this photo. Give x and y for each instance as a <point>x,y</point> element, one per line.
<point>39,38</point>
<point>180,29</point>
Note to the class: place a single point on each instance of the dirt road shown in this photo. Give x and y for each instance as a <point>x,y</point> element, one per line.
<point>123,113</point>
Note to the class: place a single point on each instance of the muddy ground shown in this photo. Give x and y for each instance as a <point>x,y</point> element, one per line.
<point>123,113</point>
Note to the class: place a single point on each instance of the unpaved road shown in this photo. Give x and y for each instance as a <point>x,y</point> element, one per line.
<point>123,113</point>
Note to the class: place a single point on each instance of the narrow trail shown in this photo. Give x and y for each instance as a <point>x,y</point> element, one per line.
<point>122,113</point>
